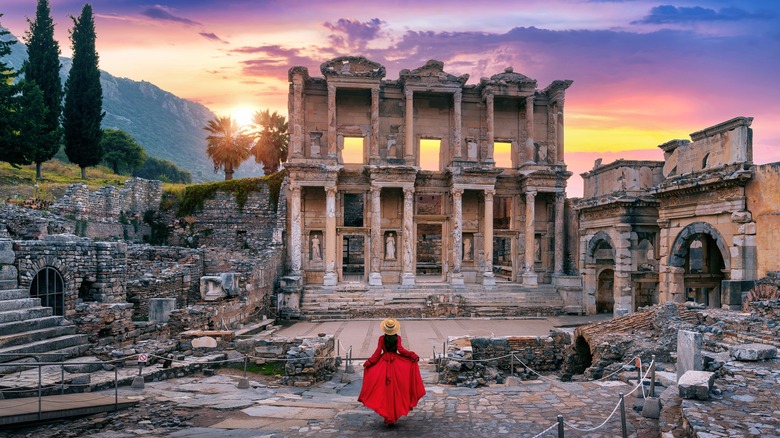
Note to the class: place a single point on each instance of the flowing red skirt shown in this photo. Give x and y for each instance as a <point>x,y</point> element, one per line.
<point>392,387</point>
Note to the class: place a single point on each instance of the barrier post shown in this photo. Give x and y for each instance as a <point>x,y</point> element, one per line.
<point>116,387</point>
<point>62,378</point>
<point>40,413</point>
<point>638,371</point>
<point>623,416</point>
<point>560,426</point>
<point>652,377</point>
<point>243,383</point>
<point>435,362</point>
<point>512,363</point>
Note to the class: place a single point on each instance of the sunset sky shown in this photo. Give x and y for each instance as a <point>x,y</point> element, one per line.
<point>644,72</point>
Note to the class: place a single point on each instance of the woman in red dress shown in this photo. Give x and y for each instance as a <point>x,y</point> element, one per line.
<point>392,384</point>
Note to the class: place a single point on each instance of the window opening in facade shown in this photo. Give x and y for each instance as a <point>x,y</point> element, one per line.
<point>353,150</point>
<point>502,154</point>
<point>430,159</point>
<point>353,210</point>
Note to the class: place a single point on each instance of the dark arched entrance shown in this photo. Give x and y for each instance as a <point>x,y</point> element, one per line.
<point>704,268</point>
<point>49,286</point>
<point>605,295</point>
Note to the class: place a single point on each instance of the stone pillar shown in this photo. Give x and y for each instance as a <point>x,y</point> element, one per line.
<point>623,292</point>
<point>297,118</point>
<point>457,148</point>
<point>490,100</point>
<point>488,279</point>
<point>559,131</point>
<point>559,234</point>
<point>375,278</point>
<point>295,229</point>
<point>331,277</point>
<point>331,121</point>
<point>407,278</point>
<point>457,237</point>
<point>409,123</point>
<point>529,276</point>
<point>374,141</point>
<point>529,128</point>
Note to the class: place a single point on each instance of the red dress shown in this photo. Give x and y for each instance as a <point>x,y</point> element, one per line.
<point>392,384</point>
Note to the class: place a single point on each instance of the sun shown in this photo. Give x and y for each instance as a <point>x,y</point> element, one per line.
<point>242,116</point>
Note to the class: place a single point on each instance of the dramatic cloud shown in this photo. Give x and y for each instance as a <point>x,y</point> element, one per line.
<point>353,34</point>
<point>212,36</point>
<point>273,60</point>
<point>668,14</point>
<point>158,12</point>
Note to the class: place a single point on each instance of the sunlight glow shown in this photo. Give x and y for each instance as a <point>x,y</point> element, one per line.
<point>429,154</point>
<point>502,154</point>
<point>353,150</point>
<point>242,116</point>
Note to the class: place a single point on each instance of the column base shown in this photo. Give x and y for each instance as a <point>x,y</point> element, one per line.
<point>488,279</point>
<point>530,279</point>
<point>457,280</point>
<point>330,279</point>
<point>375,279</point>
<point>407,279</point>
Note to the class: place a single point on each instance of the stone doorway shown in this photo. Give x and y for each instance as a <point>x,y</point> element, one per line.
<point>429,253</point>
<point>353,258</point>
<point>605,296</point>
<point>49,286</point>
<point>704,268</point>
<point>503,268</point>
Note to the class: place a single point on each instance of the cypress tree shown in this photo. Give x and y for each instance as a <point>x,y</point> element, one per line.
<point>83,110</point>
<point>10,150</point>
<point>43,68</point>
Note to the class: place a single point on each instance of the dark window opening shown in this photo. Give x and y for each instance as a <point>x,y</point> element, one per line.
<point>86,291</point>
<point>49,286</point>
<point>353,210</point>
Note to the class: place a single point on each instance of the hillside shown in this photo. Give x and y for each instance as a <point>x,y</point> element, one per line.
<point>168,127</point>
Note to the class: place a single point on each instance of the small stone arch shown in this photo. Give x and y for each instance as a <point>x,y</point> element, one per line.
<point>679,250</point>
<point>49,285</point>
<point>593,245</point>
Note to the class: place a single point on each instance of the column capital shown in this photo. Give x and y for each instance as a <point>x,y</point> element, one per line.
<point>489,193</point>
<point>560,196</point>
<point>489,97</point>
<point>456,192</point>
<point>408,93</point>
<point>331,88</point>
<point>331,190</point>
<point>408,191</point>
<point>375,190</point>
<point>531,193</point>
<point>295,189</point>
<point>457,95</point>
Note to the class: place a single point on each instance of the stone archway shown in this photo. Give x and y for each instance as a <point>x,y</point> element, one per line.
<point>599,257</point>
<point>605,291</point>
<point>49,286</point>
<point>702,259</point>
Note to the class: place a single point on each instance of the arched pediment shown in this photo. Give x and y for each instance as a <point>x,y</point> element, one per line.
<point>353,66</point>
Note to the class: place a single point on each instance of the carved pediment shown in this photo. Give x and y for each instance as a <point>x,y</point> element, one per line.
<point>432,71</point>
<point>353,66</point>
<point>508,77</point>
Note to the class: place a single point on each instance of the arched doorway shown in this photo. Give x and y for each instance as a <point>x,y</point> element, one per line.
<point>605,295</point>
<point>703,254</point>
<point>49,286</point>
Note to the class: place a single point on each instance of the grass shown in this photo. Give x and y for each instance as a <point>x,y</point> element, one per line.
<point>56,176</point>
<point>266,369</point>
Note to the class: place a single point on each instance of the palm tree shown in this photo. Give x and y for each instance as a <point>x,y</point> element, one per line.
<point>228,145</point>
<point>272,140</point>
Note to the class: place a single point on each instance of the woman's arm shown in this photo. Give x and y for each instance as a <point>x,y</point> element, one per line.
<point>377,353</point>
<point>407,353</point>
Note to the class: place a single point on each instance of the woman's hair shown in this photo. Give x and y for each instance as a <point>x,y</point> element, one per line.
<point>391,343</point>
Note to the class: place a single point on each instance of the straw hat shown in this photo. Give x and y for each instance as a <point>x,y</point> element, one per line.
<point>390,326</point>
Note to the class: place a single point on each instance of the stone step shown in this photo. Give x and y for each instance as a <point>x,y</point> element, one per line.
<point>22,314</point>
<point>25,325</point>
<point>8,284</point>
<point>14,294</point>
<point>43,346</point>
<point>22,303</point>
<point>30,336</point>
<point>58,355</point>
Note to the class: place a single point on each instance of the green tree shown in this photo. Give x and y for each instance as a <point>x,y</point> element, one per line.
<point>227,146</point>
<point>43,69</point>
<point>272,137</point>
<point>121,151</point>
<point>83,109</point>
<point>11,149</point>
<point>162,170</point>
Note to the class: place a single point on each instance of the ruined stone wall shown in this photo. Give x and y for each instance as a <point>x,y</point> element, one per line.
<point>763,199</point>
<point>162,272</point>
<point>98,269</point>
<point>107,204</point>
<point>722,144</point>
<point>622,176</point>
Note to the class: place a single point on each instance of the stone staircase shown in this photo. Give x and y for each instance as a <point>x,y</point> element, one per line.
<point>429,300</point>
<point>29,330</point>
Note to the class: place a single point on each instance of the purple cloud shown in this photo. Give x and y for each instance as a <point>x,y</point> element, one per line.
<point>353,34</point>
<point>273,60</point>
<point>668,14</point>
<point>158,12</point>
<point>212,36</point>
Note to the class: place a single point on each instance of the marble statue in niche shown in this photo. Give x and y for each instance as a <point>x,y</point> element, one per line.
<point>390,247</point>
<point>467,248</point>
<point>472,150</point>
<point>391,146</point>
<point>315,144</point>
<point>316,249</point>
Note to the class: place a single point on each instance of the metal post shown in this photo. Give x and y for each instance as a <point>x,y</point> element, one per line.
<point>560,426</point>
<point>116,387</point>
<point>246,358</point>
<point>638,371</point>
<point>40,414</point>
<point>623,416</point>
<point>62,378</point>
<point>652,377</point>
<point>512,364</point>
<point>435,362</point>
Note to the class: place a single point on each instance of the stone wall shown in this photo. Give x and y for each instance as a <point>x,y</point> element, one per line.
<point>108,204</point>
<point>162,272</point>
<point>763,200</point>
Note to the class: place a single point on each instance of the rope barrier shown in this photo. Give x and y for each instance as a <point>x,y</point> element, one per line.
<point>546,430</point>
<point>600,425</point>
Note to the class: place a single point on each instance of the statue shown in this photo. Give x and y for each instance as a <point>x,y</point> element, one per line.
<point>316,253</point>
<point>466,249</point>
<point>390,247</point>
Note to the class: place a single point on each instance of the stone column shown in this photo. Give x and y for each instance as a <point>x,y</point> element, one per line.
<point>409,121</point>
<point>488,279</point>
<point>559,131</point>
<point>623,290</point>
<point>529,276</point>
<point>295,229</point>
<point>529,128</point>
<point>374,141</point>
<point>331,121</point>
<point>408,242</point>
<point>457,147</point>
<point>559,236</point>
<point>375,278</point>
<point>457,237</point>
<point>331,277</point>
<point>297,118</point>
<point>490,100</point>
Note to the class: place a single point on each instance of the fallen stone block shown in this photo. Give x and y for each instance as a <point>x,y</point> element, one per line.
<point>753,352</point>
<point>696,384</point>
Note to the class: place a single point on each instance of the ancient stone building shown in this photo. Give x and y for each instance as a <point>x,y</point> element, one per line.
<point>424,179</point>
<point>699,226</point>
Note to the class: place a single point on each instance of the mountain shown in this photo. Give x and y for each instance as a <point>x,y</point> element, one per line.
<point>168,127</point>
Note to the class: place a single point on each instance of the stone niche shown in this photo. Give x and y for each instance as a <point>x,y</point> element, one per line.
<point>217,287</point>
